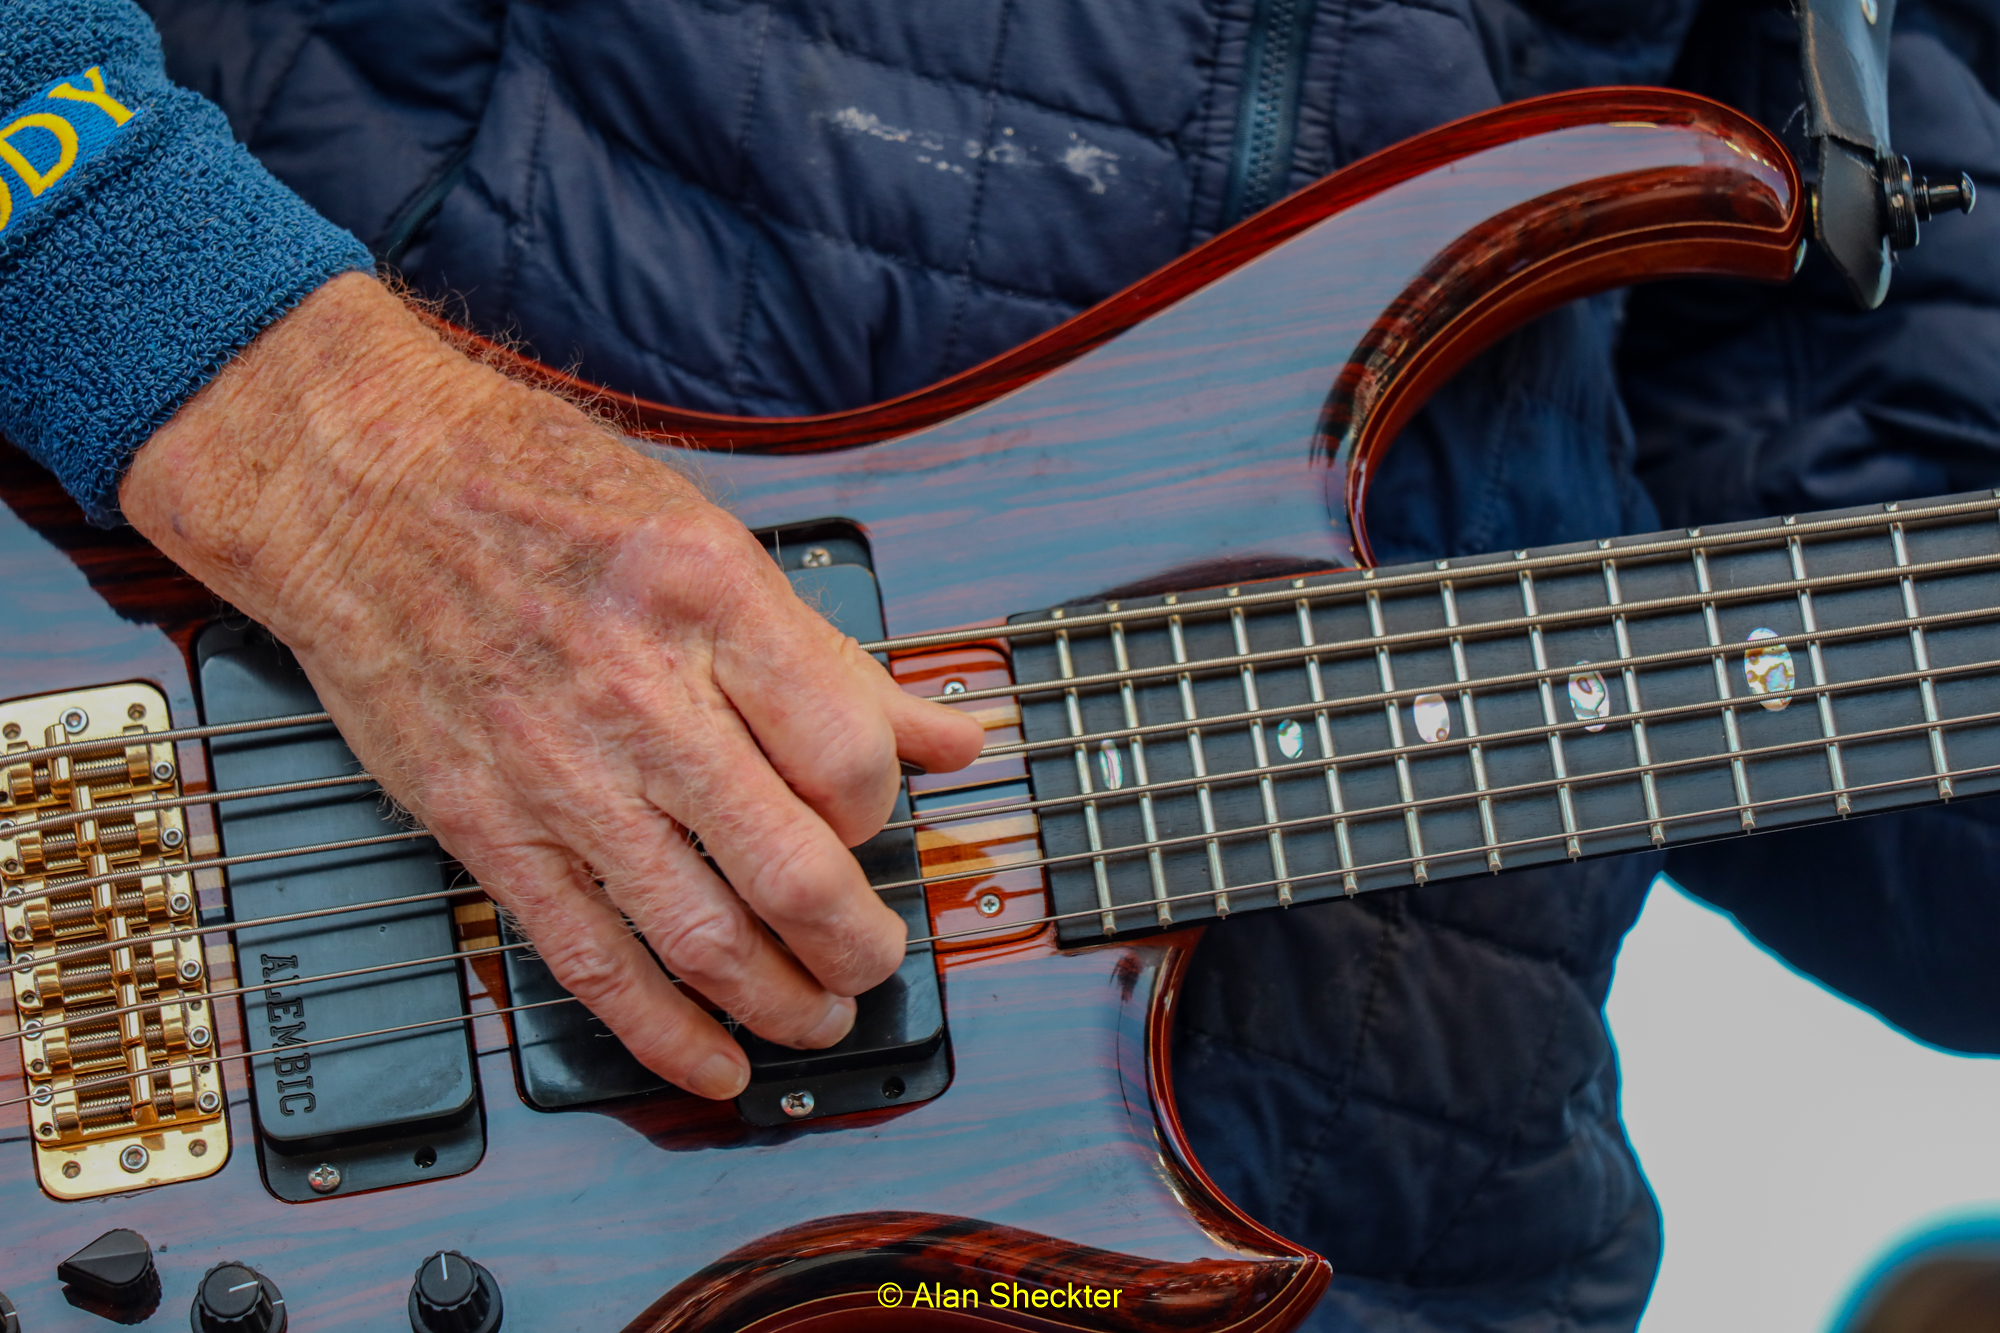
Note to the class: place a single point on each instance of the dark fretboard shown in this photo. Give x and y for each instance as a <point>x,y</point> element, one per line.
<point>1297,740</point>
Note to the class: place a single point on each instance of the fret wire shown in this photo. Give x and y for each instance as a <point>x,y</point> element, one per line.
<point>1499,628</point>
<point>1922,657</point>
<point>1533,840</point>
<point>1475,751</point>
<point>1075,717</point>
<point>227,992</point>
<point>1614,596</point>
<point>1264,785</point>
<point>1343,845</point>
<point>1537,787</point>
<point>1155,868</point>
<point>1874,629</point>
<point>1836,771</point>
<point>1546,689</point>
<point>1745,814</point>
<point>1664,549</point>
<point>1412,832</point>
<point>1490,738</point>
<point>1217,878</point>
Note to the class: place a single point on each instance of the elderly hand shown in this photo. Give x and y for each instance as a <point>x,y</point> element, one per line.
<point>563,660</point>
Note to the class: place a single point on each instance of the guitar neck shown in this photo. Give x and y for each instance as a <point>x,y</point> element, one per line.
<point>1201,754</point>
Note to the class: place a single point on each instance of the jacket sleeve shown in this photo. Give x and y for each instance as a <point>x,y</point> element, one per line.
<point>140,247</point>
<point>1755,401</point>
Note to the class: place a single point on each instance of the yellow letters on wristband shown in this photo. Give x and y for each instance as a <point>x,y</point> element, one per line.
<point>95,95</point>
<point>6,205</point>
<point>65,141</point>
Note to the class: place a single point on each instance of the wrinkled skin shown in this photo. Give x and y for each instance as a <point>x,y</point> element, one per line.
<point>566,662</point>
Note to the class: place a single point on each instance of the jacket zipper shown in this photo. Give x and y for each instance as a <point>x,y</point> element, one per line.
<point>1265,126</point>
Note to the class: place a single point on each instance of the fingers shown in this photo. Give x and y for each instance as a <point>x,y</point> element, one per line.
<point>595,957</point>
<point>936,738</point>
<point>706,934</point>
<point>780,858</point>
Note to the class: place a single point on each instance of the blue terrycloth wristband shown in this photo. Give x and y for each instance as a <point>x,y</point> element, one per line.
<point>140,246</point>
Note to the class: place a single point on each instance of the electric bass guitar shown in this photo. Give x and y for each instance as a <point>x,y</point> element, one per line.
<point>278,1068</point>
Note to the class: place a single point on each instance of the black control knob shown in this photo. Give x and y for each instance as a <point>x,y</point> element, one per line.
<point>452,1294</point>
<point>116,1268</point>
<point>9,1321</point>
<point>236,1299</point>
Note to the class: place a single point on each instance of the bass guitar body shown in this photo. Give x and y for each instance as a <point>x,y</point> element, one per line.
<point>1215,424</point>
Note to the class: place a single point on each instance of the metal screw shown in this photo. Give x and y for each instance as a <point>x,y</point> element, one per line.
<point>136,711</point>
<point>74,720</point>
<point>38,1065</point>
<point>134,1158</point>
<point>797,1105</point>
<point>179,903</point>
<point>190,969</point>
<point>198,1038</point>
<point>198,1148</point>
<point>171,837</point>
<point>29,997</point>
<point>32,1031</point>
<point>12,866</point>
<point>12,731</point>
<point>19,932</point>
<point>71,1170</point>
<point>989,904</point>
<point>324,1178</point>
<point>163,772</point>
<point>954,687</point>
<point>816,557</point>
<point>210,1103</point>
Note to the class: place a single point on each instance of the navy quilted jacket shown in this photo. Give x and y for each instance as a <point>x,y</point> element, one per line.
<point>797,205</point>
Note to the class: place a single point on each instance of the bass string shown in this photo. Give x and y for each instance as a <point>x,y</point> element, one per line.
<point>1276,656</point>
<point>110,1081</point>
<point>1455,688</point>
<point>1363,585</point>
<point>1440,638</point>
<point>68,818</point>
<point>1452,745</point>
<point>48,890</point>
<point>1539,786</point>
<point>1367,581</point>
<point>1148,904</point>
<point>33,1028</point>
<point>120,1080</point>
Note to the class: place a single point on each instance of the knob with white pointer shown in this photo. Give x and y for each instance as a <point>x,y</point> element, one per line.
<point>452,1294</point>
<point>234,1298</point>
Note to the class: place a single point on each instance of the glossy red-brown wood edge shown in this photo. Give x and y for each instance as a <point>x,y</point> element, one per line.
<point>1229,428</point>
<point>1206,442</point>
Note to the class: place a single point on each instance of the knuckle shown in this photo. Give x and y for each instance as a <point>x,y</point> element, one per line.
<point>708,945</point>
<point>585,967</point>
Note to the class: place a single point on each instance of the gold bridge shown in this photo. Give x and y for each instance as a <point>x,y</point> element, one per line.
<point>136,1008</point>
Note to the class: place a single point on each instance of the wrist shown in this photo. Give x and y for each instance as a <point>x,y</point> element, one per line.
<point>262,481</point>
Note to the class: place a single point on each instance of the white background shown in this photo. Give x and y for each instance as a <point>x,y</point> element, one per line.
<point>1793,1139</point>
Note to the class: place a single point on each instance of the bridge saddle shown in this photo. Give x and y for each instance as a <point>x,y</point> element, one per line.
<point>90,899</point>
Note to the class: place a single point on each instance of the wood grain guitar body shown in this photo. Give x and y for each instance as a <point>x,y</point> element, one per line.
<point>1216,422</point>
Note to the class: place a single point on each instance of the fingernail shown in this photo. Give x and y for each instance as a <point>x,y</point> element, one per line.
<point>911,770</point>
<point>719,1077</point>
<point>838,1022</point>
